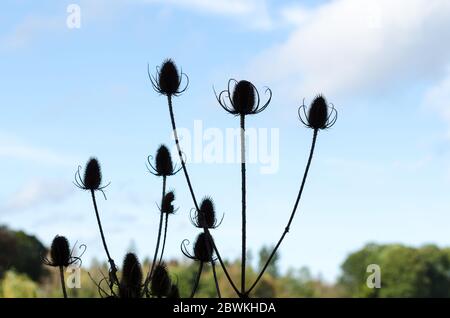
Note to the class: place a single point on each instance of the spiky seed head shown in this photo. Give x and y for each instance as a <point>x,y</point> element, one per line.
<point>164,166</point>
<point>161,282</point>
<point>131,282</point>
<point>318,113</point>
<point>207,215</point>
<point>92,175</point>
<point>169,78</point>
<point>167,206</point>
<point>244,97</point>
<point>60,251</point>
<point>203,249</point>
<point>174,292</point>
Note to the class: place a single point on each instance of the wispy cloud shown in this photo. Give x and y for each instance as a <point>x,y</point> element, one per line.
<point>36,193</point>
<point>438,98</point>
<point>252,13</point>
<point>13,148</point>
<point>29,29</point>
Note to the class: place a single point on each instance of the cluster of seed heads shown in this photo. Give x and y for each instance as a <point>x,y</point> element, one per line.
<point>240,98</point>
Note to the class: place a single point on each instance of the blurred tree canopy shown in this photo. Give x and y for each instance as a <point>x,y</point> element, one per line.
<point>405,271</point>
<point>21,252</point>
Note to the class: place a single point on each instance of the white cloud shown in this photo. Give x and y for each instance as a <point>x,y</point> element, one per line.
<point>11,147</point>
<point>36,193</point>
<point>350,46</point>
<point>29,29</point>
<point>438,98</point>
<point>253,13</point>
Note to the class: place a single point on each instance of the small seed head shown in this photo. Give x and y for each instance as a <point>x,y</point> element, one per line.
<point>131,282</point>
<point>318,113</point>
<point>60,251</point>
<point>164,165</point>
<point>169,78</point>
<point>244,97</point>
<point>207,215</point>
<point>203,249</point>
<point>92,175</point>
<point>167,206</point>
<point>161,282</point>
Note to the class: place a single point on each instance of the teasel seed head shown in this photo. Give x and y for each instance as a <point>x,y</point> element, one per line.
<point>92,175</point>
<point>243,99</point>
<point>161,283</point>
<point>319,115</point>
<point>164,165</point>
<point>206,216</point>
<point>168,80</point>
<point>174,292</point>
<point>60,254</point>
<point>166,205</point>
<point>203,249</point>
<point>131,282</point>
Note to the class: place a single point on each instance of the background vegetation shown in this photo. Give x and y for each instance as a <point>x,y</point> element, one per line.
<point>406,272</point>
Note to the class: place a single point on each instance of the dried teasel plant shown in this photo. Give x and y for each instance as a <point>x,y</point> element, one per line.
<point>61,256</point>
<point>240,98</point>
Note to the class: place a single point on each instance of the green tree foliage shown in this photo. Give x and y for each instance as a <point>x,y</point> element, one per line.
<point>264,254</point>
<point>405,271</point>
<point>21,252</point>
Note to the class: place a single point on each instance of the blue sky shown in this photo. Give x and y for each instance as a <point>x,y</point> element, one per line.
<point>381,174</point>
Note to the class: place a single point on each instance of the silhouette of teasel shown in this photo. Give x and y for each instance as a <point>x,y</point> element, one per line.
<point>203,253</point>
<point>167,81</point>
<point>242,99</point>
<point>162,167</point>
<point>62,256</point>
<point>92,181</point>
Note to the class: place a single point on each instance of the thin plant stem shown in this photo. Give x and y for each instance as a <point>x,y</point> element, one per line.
<point>112,265</point>
<point>164,237</point>
<point>158,241</point>
<point>286,230</point>
<point>213,265</point>
<point>197,280</point>
<point>244,200</point>
<point>63,284</point>
<point>191,190</point>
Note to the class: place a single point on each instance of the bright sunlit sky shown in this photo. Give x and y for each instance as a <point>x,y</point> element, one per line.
<point>381,174</point>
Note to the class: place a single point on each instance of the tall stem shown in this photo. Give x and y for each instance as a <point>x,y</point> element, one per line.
<point>286,230</point>
<point>244,219</point>
<point>164,237</point>
<point>191,190</point>
<point>158,240</point>
<point>113,268</point>
<point>216,281</point>
<point>63,284</point>
<point>197,280</point>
